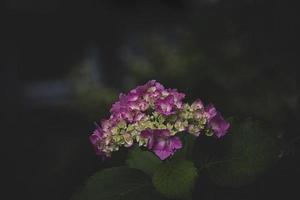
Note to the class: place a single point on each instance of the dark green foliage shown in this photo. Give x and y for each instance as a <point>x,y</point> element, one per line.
<point>186,151</point>
<point>143,160</point>
<point>250,151</point>
<point>175,179</point>
<point>118,183</point>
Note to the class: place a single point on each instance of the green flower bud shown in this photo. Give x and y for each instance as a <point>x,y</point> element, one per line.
<point>209,132</point>
<point>195,130</point>
<point>172,118</point>
<point>128,139</point>
<point>130,127</point>
<point>160,119</point>
<point>161,126</point>
<point>117,138</point>
<point>180,125</point>
<point>115,130</point>
<point>121,125</point>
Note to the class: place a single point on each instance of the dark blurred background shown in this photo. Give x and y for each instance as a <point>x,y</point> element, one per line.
<point>64,62</point>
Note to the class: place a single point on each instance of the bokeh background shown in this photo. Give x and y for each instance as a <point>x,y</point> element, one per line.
<point>63,63</point>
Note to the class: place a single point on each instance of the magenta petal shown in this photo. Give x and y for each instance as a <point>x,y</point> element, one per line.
<point>132,96</point>
<point>154,83</point>
<point>210,111</point>
<point>148,134</point>
<point>175,143</point>
<point>162,132</point>
<point>143,105</point>
<point>96,136</point>
<point>165,106</point>
<point>160,144</point>
<point>138,117</point>
<point>159,86</point>
<point>106,124</point>
<point>163,154</point>
<point>197,104</point>
<point>219,125</point>
<point>93,139</point>
<point>133,105</point>
<point>168,148</point>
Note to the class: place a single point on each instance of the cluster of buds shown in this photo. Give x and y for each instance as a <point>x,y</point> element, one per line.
<point>151,116</point>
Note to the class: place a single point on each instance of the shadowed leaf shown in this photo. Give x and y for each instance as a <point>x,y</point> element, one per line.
<point>143,160</point>
<point>251,151</point>
<point>119,183</point>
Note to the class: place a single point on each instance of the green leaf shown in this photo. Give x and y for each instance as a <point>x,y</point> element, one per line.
<point>175,179</point>
<point>143,160</point>
<point>119,183</point>
<point>251,151</point>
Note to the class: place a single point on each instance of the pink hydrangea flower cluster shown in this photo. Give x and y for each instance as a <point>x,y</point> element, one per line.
<point>151,116</point>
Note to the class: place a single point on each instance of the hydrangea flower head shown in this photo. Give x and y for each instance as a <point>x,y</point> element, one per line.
<point>151,116</point>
